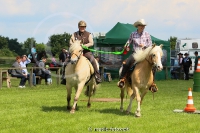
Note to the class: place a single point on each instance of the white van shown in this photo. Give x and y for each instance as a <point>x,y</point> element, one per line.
<point>188,46</point>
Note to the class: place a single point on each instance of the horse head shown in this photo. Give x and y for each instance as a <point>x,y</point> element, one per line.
<point>156,54</point>
<point>76,51</point>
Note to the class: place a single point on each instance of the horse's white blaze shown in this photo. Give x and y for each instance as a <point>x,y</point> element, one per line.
<point>159,63</point>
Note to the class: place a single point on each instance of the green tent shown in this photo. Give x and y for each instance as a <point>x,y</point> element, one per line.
<point>120,33</point>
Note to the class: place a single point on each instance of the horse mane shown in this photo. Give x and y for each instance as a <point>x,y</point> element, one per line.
<point>75,45</point>
<point>140,54</point>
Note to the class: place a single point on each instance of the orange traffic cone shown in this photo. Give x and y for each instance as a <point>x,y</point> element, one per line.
<point>190,107</point>
<point>198,66</point>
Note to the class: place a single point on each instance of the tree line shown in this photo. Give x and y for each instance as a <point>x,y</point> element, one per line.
<point>11,47</point>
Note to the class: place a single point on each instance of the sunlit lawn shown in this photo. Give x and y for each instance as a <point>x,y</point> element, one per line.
<point>43,109</point>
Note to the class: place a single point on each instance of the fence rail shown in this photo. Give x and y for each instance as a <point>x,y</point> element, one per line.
<point>4,74</point>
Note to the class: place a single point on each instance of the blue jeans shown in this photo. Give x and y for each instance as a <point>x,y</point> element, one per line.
<point>23,79</point>
<point>34,79</point>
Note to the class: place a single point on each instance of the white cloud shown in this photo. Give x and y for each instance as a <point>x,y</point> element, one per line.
<point>15,7</point>
<point>177,16</point>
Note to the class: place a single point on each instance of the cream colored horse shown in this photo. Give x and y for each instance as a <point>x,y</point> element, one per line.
<point>142,76</point>
<point>79,73</point>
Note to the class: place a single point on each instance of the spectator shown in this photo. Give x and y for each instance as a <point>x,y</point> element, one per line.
<point>67,56</point>
<point>18,72</point>
<point>196,60</point>
<point>187,64</point>
<point>49,80</point>
<point>62,56</point>
<point>33,53</point>
<point>180,58</point>
<point>23,63</point>
<point>42,72</point>
<point>53,61</point>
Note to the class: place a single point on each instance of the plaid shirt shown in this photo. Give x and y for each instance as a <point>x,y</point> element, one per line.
<point>136,39</point>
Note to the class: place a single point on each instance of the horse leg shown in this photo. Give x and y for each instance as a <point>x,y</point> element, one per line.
<point>89,95</point>
<point>142,96</point>
<point>130,103</point>
<point>122,97</point>
<point>138,98</point>
<point>78,92</point>
<point>69,92</point>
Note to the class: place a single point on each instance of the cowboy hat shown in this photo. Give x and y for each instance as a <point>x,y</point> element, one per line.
<point>140,22</point>
<point>186,54</point>
<point>180,53</point>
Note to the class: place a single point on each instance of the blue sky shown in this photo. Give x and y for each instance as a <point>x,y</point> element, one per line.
<point>40,19</point>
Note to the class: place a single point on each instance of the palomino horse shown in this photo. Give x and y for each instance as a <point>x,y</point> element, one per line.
<point>142,76</point>
<point>79,73</point>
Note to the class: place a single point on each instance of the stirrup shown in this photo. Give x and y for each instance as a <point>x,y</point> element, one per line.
<point>121,83</point>
<point>153,88</point>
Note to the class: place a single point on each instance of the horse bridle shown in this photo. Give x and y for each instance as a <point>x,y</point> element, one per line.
<point>78,56</point>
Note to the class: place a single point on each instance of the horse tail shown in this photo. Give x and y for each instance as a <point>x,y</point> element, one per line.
<point>90,90</point>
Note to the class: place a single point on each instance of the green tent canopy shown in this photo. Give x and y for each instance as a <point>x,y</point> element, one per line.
<point>120,33</point>
<point>118,36</point>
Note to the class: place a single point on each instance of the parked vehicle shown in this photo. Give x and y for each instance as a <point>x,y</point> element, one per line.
<point>188,46</point>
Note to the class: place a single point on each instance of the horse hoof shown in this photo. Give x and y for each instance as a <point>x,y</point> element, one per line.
<point>137,115</point>
<point>68,107</point>
<point>72,111</point>
<point>127,112</point>
<point>88,105</point>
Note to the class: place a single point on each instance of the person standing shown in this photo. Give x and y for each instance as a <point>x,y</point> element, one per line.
<point>187,64</point>
<point>140,39</point>
<point>196,60</point>
<point>180,58</point>
<point>24,61</point>
<point>87,40</point>
<point>18,72</point>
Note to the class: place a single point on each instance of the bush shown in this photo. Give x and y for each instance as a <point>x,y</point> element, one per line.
<point>5,52</point>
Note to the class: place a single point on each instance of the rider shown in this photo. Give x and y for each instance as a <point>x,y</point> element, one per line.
<point>140,40</point>
<point>87,40</point>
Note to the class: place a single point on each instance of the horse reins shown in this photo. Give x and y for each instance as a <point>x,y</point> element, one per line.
<point>78,56</point>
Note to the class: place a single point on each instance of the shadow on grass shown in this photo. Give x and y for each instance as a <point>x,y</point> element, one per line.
<point>115,111</point>
<point>54,108</point>
<point>58,108</point>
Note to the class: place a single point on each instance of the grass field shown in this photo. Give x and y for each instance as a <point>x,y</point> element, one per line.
<point>42,109</point>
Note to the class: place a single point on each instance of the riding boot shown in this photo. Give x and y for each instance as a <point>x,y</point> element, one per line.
<point>121,82</point>
<point>153,87</point>
<point>96,72</point>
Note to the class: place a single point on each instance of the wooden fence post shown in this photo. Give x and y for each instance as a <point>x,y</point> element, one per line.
<point>58,76</point>
<point>1,79</point>
<point>31,77</point>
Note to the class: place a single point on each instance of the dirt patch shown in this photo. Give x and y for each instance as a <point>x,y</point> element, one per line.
<point>103,100</point>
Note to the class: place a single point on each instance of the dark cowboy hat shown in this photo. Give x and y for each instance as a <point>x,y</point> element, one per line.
<point>180,53</point>
<point>186,54</point>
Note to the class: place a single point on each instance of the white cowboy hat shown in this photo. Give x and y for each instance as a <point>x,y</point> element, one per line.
<point>140,22</point>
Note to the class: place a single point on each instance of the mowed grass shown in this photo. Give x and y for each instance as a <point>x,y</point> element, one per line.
<point>42,109</point>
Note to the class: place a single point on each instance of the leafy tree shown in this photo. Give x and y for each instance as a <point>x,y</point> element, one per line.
<point>3,42</point>
<point>172,41</point>
<point>40,47</point>
<point>15,46</point>
<point>5,52</point>
<point>57,42</point>
<point>29,43</point>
